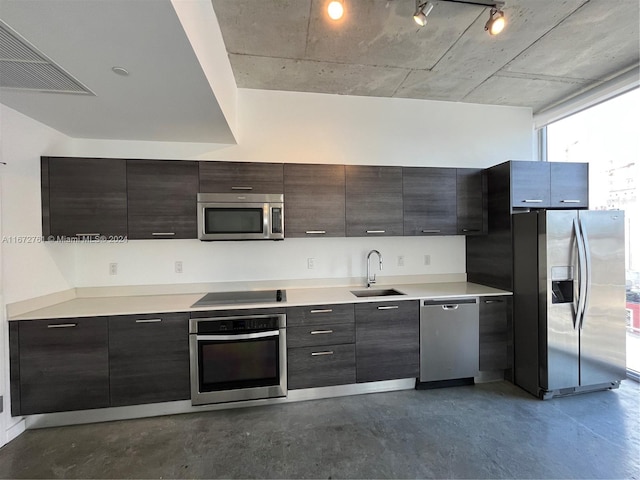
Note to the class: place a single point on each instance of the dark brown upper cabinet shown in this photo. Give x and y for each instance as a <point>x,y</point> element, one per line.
<point>569,185</point>
<point>471,209</point>
<point>374,201</point>
<point>83,197</point>
<point>429,201</point>
<point>161,198</point>
<point>530,185</point>
<point>314,200</point>
<point>241,177</point>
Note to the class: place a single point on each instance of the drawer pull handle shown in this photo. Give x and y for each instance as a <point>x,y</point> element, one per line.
<point>158,234</point>
<point>149,320</point>
<point>569,201</point>
<point>63,325</point>
<point>325,310</point>
<point>390,307</point>
<point>493,301</point>
<point>470,230</point>
<point>320,332</point>
<point>241,188</point>
<point>315,232</point>
<point>450,307</point>
<point>376,231</point>
<point>430,231</point>
<point>87,234</point>
<point>317,354</point>
<point>534,200</point>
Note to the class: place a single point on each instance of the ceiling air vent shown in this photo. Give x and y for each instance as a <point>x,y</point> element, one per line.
<point>22,67</point>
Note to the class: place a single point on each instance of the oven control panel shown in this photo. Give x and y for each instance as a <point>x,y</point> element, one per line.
<point>238,324</point>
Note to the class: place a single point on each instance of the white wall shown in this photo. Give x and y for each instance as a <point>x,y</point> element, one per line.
<point>29,269</point>
<point>317,128</point>
<point>277,127</point>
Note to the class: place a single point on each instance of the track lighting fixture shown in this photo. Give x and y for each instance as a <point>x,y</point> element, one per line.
<point>423,8</point>
<point>335,9</point>
<point>496,22</point>
<point>494,25</point>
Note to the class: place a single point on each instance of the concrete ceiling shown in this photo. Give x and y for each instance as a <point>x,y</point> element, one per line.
<point>550,50</point>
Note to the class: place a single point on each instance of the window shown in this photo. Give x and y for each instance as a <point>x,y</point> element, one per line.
<point>607,136</point>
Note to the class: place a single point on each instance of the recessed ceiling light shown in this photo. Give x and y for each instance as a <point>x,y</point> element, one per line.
<point>120,71</point>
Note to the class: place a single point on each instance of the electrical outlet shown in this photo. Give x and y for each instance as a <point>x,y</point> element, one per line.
<point>178,266</point>
<point>427,259</point>
<point>401,260</point>
<point>311,263</point>
<point>113,269</point>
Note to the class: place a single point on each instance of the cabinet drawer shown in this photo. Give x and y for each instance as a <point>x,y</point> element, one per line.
<point>332,334</point>
<point>320,315</point>
<point>321,366</point>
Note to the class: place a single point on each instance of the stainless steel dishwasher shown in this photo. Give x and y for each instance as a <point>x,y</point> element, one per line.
<point>449,341</point>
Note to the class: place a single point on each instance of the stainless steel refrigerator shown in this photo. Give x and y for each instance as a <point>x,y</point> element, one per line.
<point>569,301</point>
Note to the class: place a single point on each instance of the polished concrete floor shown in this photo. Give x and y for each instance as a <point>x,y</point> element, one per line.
<point>492,430</point>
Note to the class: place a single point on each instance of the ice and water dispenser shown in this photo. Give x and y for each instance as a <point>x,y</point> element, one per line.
<point>562,284</point>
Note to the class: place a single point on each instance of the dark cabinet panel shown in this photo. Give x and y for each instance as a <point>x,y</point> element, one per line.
<point>374,201</point>
<point>471,208</point>
<point>161,197</point>
<point>387,341</point>
<point>530,184</point>
<point>64,365</point>
<point>429,201</point>
<point>315,200</point>
<point>247,177</point>
<point>495,344</point>
<point>309,367</point>
<point>86,197</point>
<point>569,185</point>
<point>320,315</point>
<point>320,335</point>
<point>149,358</point>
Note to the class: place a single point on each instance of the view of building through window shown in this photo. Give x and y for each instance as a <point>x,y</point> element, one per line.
<point>608,137</point>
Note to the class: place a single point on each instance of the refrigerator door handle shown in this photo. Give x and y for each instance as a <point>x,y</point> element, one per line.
<point>587,278</point>
<point>582,273</point>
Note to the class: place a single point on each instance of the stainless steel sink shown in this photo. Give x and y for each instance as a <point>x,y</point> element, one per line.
<point>376,293</point>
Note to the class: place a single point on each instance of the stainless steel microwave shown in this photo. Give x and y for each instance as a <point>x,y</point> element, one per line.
<point>237,216</point>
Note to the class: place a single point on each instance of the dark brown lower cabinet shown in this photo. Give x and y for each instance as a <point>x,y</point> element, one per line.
<point>63,364</point>
<point>149,358</point>
<point>387,341</point>
<point>495,337</point>
<point>321,366</point>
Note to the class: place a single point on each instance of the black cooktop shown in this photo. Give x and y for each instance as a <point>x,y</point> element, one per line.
<point>232,298</point>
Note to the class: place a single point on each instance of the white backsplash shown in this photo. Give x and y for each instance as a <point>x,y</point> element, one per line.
<point>148,262</point>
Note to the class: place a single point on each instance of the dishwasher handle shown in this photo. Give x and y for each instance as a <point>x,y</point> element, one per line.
<point>449,303</point>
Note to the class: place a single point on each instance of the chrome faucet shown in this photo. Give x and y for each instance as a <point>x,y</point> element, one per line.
<point>371,280</point>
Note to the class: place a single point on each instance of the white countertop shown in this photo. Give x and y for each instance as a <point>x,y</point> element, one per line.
<point>182,302</point>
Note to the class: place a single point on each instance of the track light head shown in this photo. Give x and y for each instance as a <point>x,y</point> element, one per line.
<point>422,10</point>
<point>335,9</point>
<point>496,22</point>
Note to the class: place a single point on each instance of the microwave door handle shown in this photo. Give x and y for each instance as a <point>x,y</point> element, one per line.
<point>266,220</point>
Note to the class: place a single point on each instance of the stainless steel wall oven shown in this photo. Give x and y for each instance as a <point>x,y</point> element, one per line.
<point>237,358</point>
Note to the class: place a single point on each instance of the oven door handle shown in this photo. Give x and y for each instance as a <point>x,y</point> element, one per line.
<point>242,336</point>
